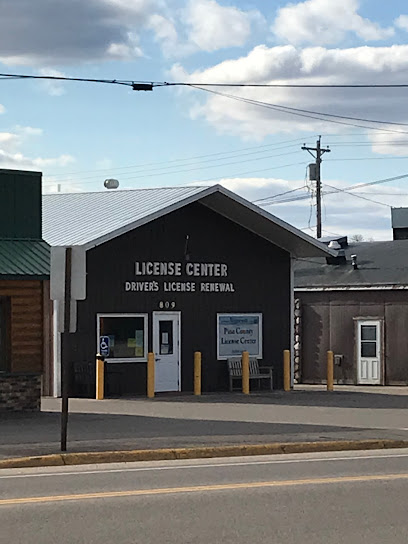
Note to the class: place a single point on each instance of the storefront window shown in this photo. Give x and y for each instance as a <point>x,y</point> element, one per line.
<point>124,337</point>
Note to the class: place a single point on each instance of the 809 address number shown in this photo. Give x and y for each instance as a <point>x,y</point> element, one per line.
<point>167,305</point>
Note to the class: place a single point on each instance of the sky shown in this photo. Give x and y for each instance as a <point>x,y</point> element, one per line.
<point>79,134</point>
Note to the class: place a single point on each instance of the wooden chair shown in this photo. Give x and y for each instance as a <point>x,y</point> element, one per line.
<point>256,372</point>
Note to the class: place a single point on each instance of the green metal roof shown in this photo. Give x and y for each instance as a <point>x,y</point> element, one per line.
<point>29,258</point>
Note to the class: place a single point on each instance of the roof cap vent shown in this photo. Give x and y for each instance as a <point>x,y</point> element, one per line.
<point>334,245</point>
<point>111,183</point>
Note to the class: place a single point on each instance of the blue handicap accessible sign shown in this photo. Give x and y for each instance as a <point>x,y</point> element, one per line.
<point>104,346</point>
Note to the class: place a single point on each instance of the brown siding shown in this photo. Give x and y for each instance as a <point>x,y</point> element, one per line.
<point>328,322</point>
<point>396,343</point>
<point>26,340</point>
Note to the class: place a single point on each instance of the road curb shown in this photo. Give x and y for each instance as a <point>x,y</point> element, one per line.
<point>65,459</point>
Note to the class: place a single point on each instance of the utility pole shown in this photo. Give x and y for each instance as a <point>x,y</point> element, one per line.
<point>66,374</point>
<point>319,152</point>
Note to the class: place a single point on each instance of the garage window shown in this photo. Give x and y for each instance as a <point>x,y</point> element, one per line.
<point>123,337</point>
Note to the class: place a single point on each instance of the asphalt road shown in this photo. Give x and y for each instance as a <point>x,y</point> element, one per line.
<point>216,419</point>
<point>318,498</point>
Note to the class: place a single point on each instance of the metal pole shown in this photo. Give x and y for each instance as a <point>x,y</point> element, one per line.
<point>245,372</point>
<point>197,373</point>
<point>286,370</point>
<point>318,191</point>
<point>318,158</point>
<point>150,375</point>
<point>100,377</point>
<point>330,371</point>
<point>65,373</point>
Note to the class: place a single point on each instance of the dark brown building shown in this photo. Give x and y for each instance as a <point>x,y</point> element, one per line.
<point>24,298</point>
<point>355,304</point>
<point>173,271</point>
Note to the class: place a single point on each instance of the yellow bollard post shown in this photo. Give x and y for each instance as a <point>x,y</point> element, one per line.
<point>286,370</point>
<point>150,375</point>
<point>245,372</point>
<point>330,371</point>
<point>100,377</point>
<point>197,373</point>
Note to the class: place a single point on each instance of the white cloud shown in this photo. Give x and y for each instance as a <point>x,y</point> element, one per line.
<point>11,155</point>
<point>325,22</point>
<point>2,109</point>
<point>28,131</point>
<point>7,139</point>
<point>10,141</point>
<point>389,143</point>
<point>289,65</point>
<point>213,26</point>
<point>164,29</point>
<point>203,25</point>
<point>46,32</point>
<point>402,22</point>
<point>52,87</point>
<point>49,33</point>
<point>20,161</point>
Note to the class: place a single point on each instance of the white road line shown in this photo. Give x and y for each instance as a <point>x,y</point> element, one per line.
<point>199,466</point>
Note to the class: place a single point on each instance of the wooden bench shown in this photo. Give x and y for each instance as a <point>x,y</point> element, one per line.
<point>256,372</point>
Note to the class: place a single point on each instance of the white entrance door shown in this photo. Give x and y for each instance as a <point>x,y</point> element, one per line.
<point>166,347</point>
<point>369,353</point>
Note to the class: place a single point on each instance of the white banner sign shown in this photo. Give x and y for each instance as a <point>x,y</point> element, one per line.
<point>237,333</point>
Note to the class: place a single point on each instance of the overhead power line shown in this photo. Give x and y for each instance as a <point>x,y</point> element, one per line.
<point>299,112</point>
<point>149,85</point>
<point>158,171</point>
<point>356,195</point>
<point>293,85</point>
<point>350,188</point>
<point>264,201</point>
<point>210,156</point>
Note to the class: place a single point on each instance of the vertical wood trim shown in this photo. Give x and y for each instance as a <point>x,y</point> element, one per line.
<point>47,333</point>
<point>292,322</point>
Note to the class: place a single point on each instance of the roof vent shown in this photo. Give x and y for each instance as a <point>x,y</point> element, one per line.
<point>111,183</point>
<point>334,245</point>
<point>354,262</point>
<point>340,257</point>
<point>342,240</point>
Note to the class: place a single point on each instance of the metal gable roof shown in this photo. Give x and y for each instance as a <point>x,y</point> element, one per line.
<point>24,258</point>
<point>90,219</point>
<point>71,219</point>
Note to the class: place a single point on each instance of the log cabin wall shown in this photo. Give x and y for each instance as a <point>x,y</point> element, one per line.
<point>26,323</point>
<point>20,386</point>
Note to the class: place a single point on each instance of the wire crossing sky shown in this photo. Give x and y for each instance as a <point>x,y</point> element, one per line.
<point>213,91</point>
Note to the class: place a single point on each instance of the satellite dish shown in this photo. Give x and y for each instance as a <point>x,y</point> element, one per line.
<point>111,183</point>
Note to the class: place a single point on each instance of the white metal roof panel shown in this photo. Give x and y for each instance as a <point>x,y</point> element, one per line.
<point>71,219</point>
<point>90,219</point>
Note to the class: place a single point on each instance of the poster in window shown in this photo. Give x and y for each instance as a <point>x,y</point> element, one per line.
<point>139,343</point>
<point>237,333</point>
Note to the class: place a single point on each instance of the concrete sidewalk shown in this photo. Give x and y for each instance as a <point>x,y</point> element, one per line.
<point>174,421</point>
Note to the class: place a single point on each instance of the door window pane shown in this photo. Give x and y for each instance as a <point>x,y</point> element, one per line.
<point>368,349</point>
<point>368,332</point>
<point>126,336</point>
<point>166,337</point>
